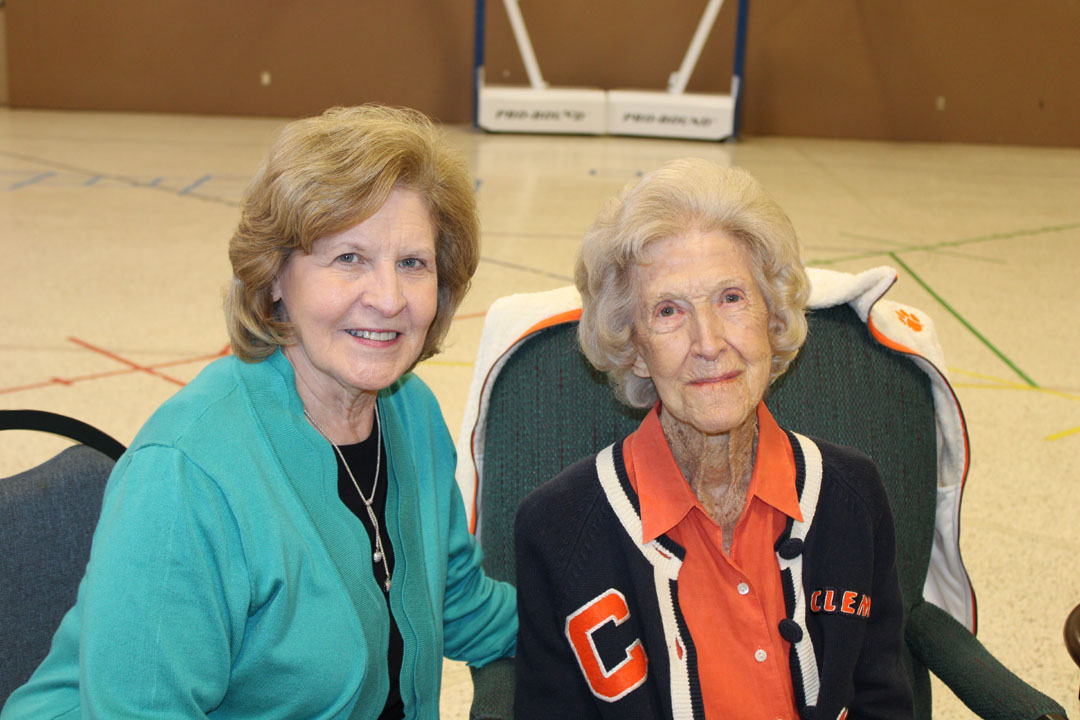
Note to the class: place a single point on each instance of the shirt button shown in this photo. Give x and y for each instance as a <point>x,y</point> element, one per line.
<point>760,655</point>
<point>743,588</point>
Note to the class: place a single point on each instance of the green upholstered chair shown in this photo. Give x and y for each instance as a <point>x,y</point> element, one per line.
<point>47,519</point>
<point>548,408</point>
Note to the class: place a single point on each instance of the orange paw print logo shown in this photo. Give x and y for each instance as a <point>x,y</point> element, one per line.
<point>910,319</point>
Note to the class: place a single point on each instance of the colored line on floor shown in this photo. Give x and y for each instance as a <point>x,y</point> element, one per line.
<point>199,358</point>
<point>898,245</point>
<point>988,386</point>
<point>1005,384</point>
<point>32,181</point>
<point>951,243</point>
<point>116,178</point>
<point>1064,433</point>
<point>63,381</point>
<point>963,322</point>
<point>192,186</point>
<point>846,258</point>
<point>111,373</point>
<point>1001,236</point>
<point>125,361</point>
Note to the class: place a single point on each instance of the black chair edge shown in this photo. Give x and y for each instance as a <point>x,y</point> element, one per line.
<point>1072,635</point>
<point>64,426</point>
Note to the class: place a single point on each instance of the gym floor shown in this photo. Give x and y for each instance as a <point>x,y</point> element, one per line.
<point>114,229</point>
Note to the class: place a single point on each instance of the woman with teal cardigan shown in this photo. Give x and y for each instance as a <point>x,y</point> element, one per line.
<point>284,538</point>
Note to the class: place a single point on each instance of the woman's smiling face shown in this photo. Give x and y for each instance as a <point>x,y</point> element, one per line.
<point>701,330</point>
<point>362,302</point>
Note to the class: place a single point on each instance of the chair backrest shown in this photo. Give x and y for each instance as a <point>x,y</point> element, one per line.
<point>64,426</point>
<point>1072,634</point>
<point>548,408</point>
<point>47,519</point>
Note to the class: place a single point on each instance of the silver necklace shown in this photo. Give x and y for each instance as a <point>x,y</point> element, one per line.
<point>378,555</point>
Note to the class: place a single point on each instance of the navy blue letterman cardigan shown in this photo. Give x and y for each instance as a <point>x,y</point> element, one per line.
<point>601,634</point>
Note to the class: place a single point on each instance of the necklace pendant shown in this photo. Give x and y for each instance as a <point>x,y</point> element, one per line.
<point>386,584</point>
<point>376,556</point>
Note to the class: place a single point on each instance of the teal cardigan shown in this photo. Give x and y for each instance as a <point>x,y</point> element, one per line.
<point>227,579</point>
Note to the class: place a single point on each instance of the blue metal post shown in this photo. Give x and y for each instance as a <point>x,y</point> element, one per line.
<point>478,60</point>
<point>740,52</point>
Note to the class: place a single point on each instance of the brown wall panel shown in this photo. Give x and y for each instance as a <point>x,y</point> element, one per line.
<point>206,56</point>
<point>1007,72</point>
<point>3,58</point>
<point>610,43</point>
<point>1004,71</point>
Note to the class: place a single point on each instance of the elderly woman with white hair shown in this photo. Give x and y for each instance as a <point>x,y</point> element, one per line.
<point>711,564</point>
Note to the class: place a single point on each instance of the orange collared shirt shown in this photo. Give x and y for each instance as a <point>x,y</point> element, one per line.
<point>733,604</point>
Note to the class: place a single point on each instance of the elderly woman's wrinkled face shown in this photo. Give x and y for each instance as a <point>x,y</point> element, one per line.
<point>701,330</point>
<point>362,302</point>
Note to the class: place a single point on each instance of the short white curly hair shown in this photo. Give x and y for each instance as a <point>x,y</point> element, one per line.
<point>684,196</point>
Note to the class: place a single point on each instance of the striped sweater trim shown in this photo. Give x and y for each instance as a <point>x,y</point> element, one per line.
<point>666,560</point>
<point>804,669</point>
